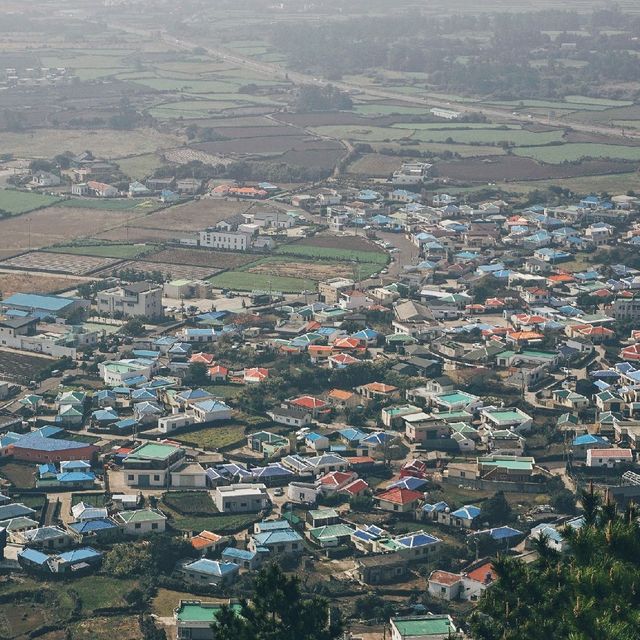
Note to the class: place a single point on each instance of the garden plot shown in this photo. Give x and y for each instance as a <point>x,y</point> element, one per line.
<point>170,270</point>
<point>202,258</point>
<point>57,263</point>
<point>16,282</point>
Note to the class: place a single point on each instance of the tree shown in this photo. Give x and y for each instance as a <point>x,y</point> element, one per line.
<point>125,560</point>
<point>564,501</point>
<point>133,327</point>
<point>589,592</point>
<point>495,510</point>
<point>278,611</point>
<point>197,374</point>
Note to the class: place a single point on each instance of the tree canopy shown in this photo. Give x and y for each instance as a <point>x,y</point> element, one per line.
<point>591,592</point>
<point>277,611</point>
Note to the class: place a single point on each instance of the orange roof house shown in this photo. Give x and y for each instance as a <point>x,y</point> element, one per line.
<point>255,374</point>
<point>206,358</point>
<point>206,540</point>
<point>377,390</point>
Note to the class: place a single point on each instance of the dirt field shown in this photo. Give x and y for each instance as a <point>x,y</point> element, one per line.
<point>302,269</point>
<point>57,224</point>
<point>193,216</point>
<point>376,165</point>
<point>18,366</point>
<point>173,270</point>
<point>354,243</point>
<point>135,234</point>
<point>46,143</point>
<point>202,258</point>
<point>13,282</point>
<point>58,263</point>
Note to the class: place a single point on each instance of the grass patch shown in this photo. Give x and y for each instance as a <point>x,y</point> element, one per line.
<point>167,600</point>
<point>225,391</point>
<point>139,167</point>
<point>17,202</point>
<point>219,523</point>
<point>573,152</point>
<point>95,499</point>
<point>243,281</point>
<point>98,591</point>
<point>309,251</point>
<point>388,110</point>
<point>190,502</point>
<point>124,251</point>
<point>214,437</point>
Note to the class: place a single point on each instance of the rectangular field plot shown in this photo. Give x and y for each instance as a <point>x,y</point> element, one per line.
<point>58,263</point>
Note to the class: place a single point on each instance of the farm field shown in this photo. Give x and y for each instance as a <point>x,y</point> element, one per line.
<point>572,152</point>
<point>190,502</point>
<point>18,202</point>
<point>312,270</point>
<point>202,258</point>
<point>58,262</point>
<point>214,437</point>
<point>57,224</point>
<point>194,215</point>
<point>327,252</point>
<point>20,366</point>
<point>114,204</point>
<point>139,167</point>
<point>170,271</point>
<point>105,143</point>
<point>21,475</point>
<point>243,281</point>
<point>123,251</point>
<point>13,282</point>
<point>460,135</point>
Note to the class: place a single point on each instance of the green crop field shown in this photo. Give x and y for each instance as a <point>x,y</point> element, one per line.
<point>491,136</point>
<point>191,109</point>
<point>389,109</point>
<point>124,251</point>
<point>243,281</point>
<point>190,502</point>
<point>572,152</point>
<point>309,251</point>
<point>189,85</point>
<point>212,438</point>
<point>221,524</point>
<point>454,126</point>
<point>17,202</point>
<point>139,167</point>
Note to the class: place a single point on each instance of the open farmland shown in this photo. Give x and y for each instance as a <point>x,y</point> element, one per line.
<point>194,215</point>
<point>105,143</point>
<point>57,224</point>
<point>120,251</point>
<point>573,152</point>
<point>17,282</point>
<point>57,263</point>
<point>212,438</point>
<point>202,258</point>
<point>312,270</point>
<point>244,281</point>
<point>18,202</point>
<point>141,205</point>
<point>515,168</point>
<point>20,366</point>
<point>168,270</point>
<point>313,251</point>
